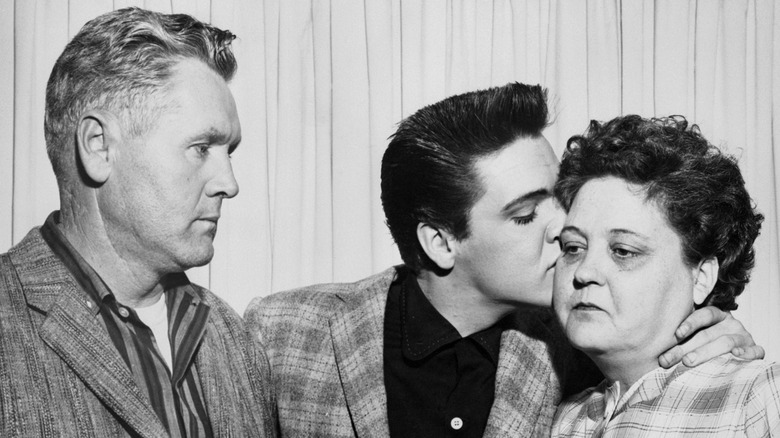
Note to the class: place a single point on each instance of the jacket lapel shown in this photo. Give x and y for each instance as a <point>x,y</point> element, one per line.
<point>527,388</point>
<point>216,388</point>
<point>357,330</point>
<point>74,332</point>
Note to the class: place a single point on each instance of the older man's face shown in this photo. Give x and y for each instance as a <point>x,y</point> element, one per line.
<point>162,201</point>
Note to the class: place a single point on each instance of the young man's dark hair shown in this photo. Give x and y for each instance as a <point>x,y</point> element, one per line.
<point>428,173</point>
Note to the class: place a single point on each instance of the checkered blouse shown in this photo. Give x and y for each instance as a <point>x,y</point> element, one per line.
<point>725,397</point>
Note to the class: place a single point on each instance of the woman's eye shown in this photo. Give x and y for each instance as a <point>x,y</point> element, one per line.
<point>623,252</point>
<point>571,248</point>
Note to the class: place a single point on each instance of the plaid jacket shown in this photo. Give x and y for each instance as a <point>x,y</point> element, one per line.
<point>325,345</point>
<point>60,374</point>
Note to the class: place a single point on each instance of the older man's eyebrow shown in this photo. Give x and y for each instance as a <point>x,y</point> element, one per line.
<point>215,136</point>
<point>211,135</point>
<point>536,195</point>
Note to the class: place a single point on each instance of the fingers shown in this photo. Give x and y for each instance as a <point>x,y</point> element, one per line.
<point>702,318</point>
<point>752,352</point>
<point>712,349</point>
<point>715,332</point>
<point>702,348</point>
<point>671,357</point>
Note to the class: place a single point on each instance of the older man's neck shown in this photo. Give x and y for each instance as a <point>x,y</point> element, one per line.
<point>465,307</point>
<point>132,284</point>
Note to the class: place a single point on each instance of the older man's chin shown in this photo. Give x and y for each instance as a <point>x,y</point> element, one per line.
<point>198,256</point>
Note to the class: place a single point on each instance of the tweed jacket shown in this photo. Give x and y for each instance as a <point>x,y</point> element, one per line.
<point>325,345</point>
<point>60,374</point>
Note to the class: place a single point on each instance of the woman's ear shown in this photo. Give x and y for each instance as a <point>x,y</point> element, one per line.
<point>706,276</point>
<point>437,244</point>
<point>96,137</point>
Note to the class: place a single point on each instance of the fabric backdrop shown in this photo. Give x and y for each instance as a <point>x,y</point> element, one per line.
<point>322,83</point>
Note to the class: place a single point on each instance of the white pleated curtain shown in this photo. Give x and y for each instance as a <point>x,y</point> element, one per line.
<point>322,84</point>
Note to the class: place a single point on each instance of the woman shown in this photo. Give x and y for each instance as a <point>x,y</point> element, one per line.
<point>659,223</point>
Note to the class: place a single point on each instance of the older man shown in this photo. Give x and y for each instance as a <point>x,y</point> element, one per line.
<point>445,345</point>
<point>101,333</point>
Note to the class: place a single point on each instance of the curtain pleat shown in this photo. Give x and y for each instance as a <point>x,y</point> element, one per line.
<point>322,84</point>
<point>7,93</point>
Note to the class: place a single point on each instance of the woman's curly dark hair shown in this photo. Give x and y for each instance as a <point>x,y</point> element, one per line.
<point>700,189</point>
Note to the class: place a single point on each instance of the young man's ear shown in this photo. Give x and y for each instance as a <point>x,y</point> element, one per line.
<point>96,136</point>
<point>706,276</point>
<point>437,244</point>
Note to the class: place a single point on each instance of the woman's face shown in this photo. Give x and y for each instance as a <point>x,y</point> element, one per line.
<point>621,286</point>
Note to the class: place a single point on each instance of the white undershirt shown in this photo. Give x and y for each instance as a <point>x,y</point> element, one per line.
<point>156,318</point>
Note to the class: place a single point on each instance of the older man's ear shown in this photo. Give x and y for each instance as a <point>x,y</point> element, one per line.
<point>96,137</point>
<point>705,278</point>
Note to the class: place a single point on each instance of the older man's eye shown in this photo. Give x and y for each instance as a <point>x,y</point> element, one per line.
<point>201,150</point>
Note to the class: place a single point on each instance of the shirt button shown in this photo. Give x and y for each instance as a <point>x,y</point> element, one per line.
<point>456,423</point>
<point>123,312</point>
<point>89,304</point>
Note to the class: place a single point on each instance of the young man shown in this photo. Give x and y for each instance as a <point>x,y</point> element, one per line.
<point>101,333</point>
<point>459,341</point>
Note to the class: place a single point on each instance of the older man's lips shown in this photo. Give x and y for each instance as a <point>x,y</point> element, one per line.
<point>213,218</point>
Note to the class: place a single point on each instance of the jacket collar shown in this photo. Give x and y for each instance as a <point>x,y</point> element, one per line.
<point>357,330</point>
<point>527,387</point>
<point>224,370</point>
<point>73,331</point>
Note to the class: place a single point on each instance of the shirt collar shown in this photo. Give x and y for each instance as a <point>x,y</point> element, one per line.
<point>424,330</point>
<point>614,399</point>
<point>91,283</point>
<point>96,289</point>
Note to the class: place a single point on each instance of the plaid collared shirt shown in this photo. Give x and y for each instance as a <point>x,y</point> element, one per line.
<point>724,397</point>
<point>175,394</point>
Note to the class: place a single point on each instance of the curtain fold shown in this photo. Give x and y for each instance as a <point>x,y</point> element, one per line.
<point>322,84</point>
<point>7,93</point>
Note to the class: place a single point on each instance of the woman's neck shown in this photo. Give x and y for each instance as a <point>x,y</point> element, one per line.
<point>625,367</point>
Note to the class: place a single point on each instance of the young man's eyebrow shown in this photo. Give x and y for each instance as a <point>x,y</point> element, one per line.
<point>531,196</point>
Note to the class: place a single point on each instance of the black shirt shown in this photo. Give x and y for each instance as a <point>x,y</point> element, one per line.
<point>438,383</point>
